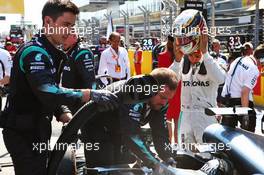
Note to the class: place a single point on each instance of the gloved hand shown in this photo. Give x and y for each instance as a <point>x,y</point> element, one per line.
<point>105,99</point>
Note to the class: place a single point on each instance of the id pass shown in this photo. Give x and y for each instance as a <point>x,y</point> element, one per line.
<point>117,68</point>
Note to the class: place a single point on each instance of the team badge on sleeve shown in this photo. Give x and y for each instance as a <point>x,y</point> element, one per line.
<point>38,57</point>
<point>37,64</point>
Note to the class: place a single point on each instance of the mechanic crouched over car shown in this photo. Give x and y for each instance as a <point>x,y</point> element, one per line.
<point>120,130</point>
<point>35,95</point>
<point>238,89</point>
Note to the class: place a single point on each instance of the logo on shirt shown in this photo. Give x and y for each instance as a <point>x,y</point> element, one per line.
<point>35,66</point>
<point>196,83</point>
<point>253,81</point>
<point>134,112</point>
<point>243,65</point>
<point>38,57</point>
<point>67,68</point>
<point>138,107</point>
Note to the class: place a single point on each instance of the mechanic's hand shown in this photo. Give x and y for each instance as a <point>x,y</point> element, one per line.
<point>65,117</point>
<point>178,53</point>
<point>204,43</point>
<point>105,99</point>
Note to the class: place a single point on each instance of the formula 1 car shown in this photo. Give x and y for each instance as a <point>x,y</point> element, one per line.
<point>230,151</point>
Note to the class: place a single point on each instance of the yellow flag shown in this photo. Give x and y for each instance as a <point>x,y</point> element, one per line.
<point>12,6</point>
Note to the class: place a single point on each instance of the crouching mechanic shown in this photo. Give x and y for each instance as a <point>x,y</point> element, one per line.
<point>35,95</point>
<point>200,76</point>
<point>121,128</point>
<point>78,72</point>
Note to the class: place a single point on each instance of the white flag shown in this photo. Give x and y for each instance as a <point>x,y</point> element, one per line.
<point>110,26</point>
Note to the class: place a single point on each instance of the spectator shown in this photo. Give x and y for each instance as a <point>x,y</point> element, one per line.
<point>158,48</point>
<point>114,61</point>
<point>216,53</point>
<point>241,79</point>
<point>222,61</point>
<point>247,49</point>
<point>11,48</point>
<point>138,58</point>
<point>5,70</point>
<point>103,44</point>
<point>165,58</point>
<point>259,55</point>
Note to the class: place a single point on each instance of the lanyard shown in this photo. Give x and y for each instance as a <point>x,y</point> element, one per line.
<point>114,55</point>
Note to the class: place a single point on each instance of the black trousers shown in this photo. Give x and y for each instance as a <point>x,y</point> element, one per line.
<point>28,148</point>
<point>234,120</point>
<point>25,158</point>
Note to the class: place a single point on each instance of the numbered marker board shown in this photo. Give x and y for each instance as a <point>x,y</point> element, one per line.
<point>147,43</point>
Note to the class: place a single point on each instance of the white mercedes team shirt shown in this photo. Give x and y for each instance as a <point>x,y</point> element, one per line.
<point>199,90</point>
<point>109,62</point>
<point>246,74</point>
<point>6,63</point>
